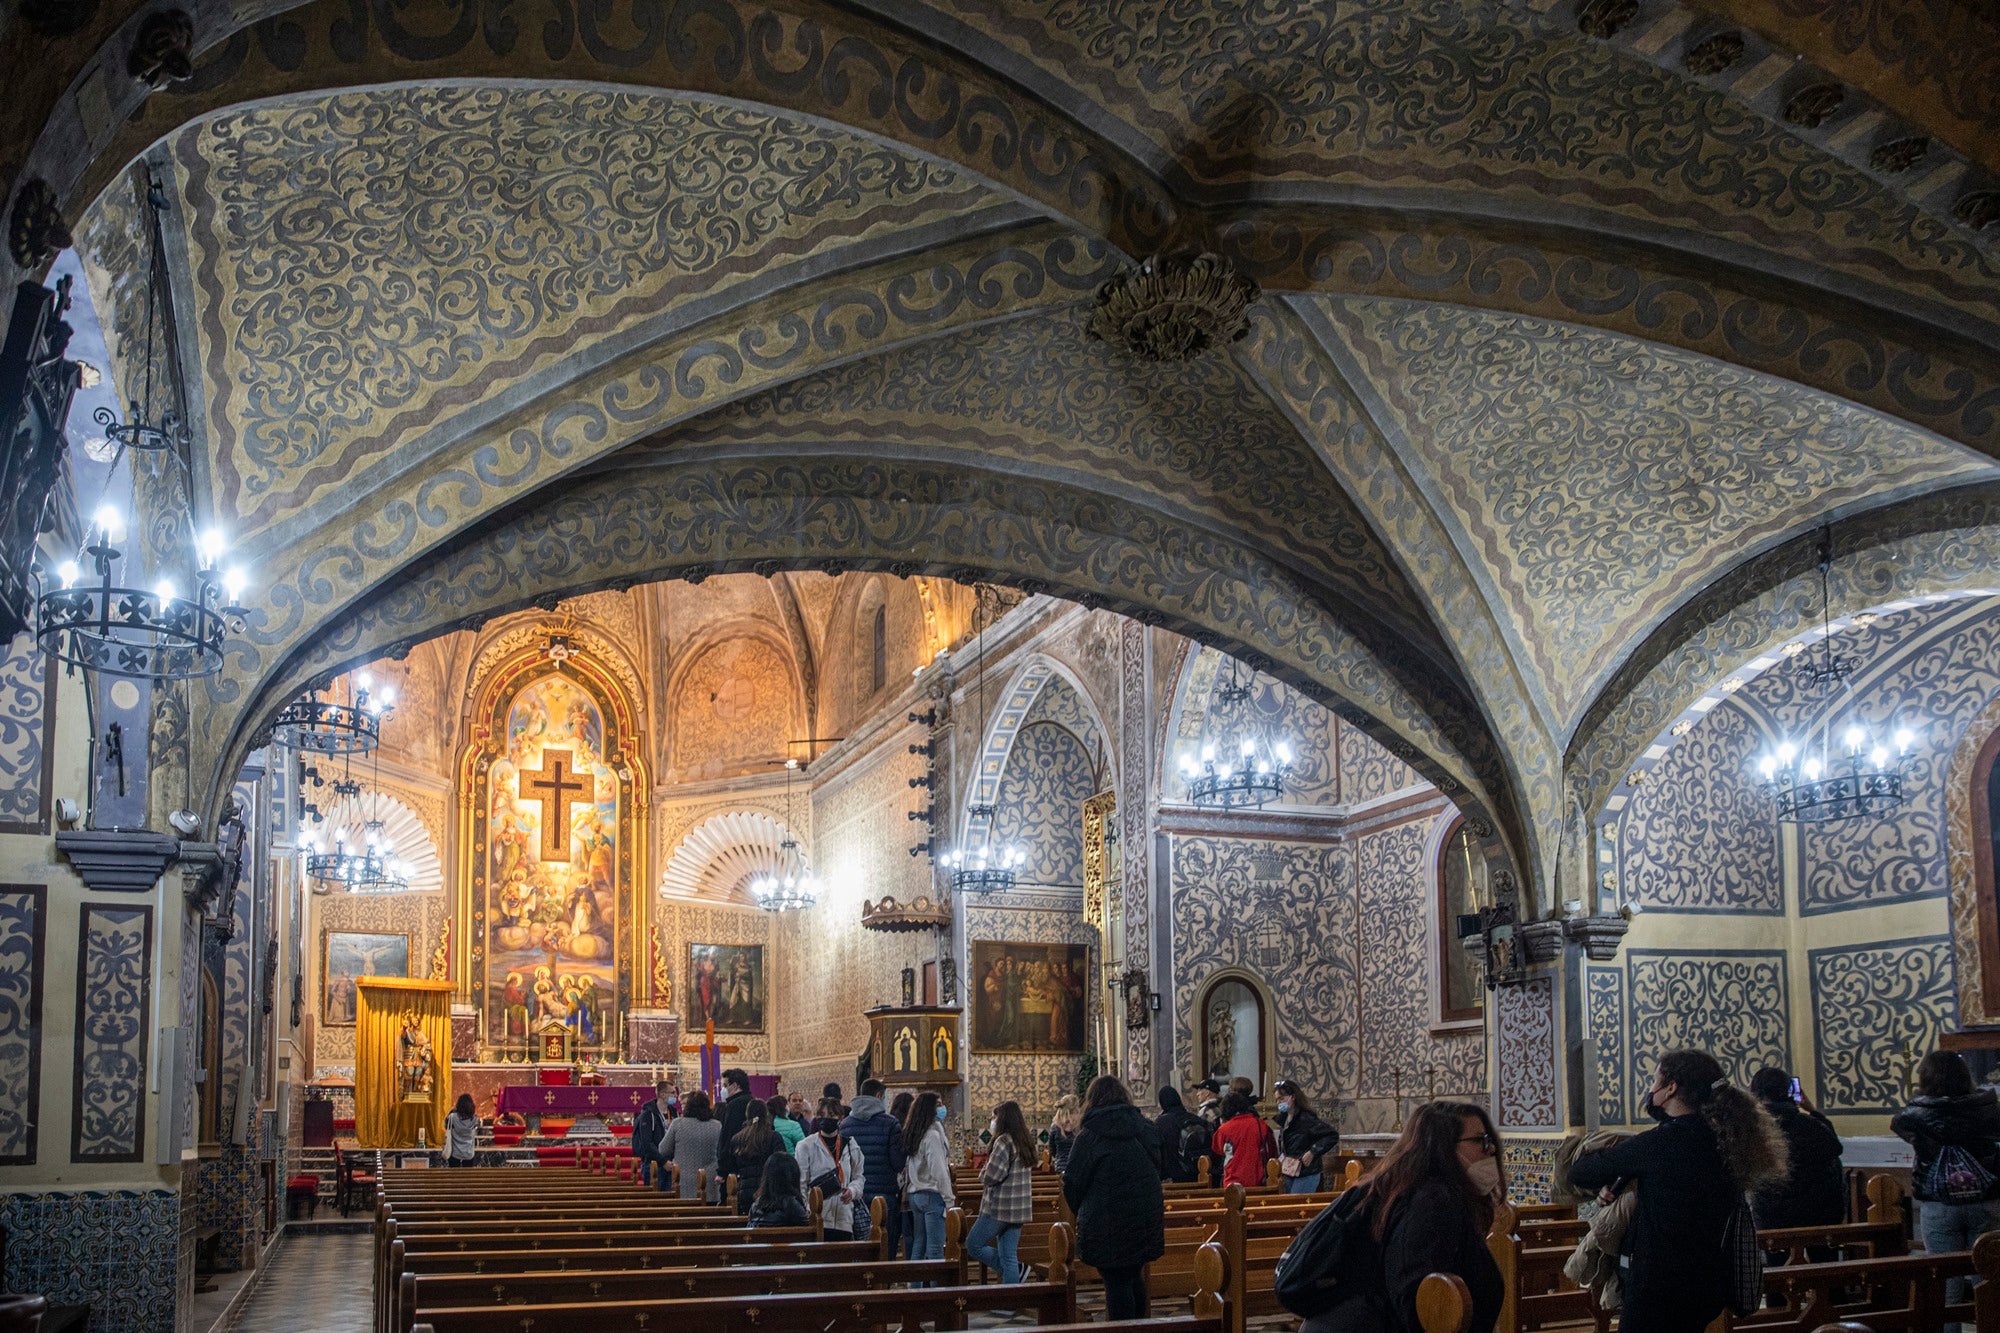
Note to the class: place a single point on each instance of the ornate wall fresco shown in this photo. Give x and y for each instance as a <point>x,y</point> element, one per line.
<point>23,928</point>
<point>114,999</point>
<point>733,710</point>
<point>1604,1015</point>
<point>27,721</point>
<point>1395,930</point>
<point>1647,466</point>
<point>1871,1005</point>
<point>1286,913</point>
<point>621,205</point>
<point>1699,836</point>
<point>1733,1003</point>
<point>1525,1056</point>
<point>1049,775</point>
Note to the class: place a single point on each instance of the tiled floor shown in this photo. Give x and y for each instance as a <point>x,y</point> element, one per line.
<point>321,1282</point>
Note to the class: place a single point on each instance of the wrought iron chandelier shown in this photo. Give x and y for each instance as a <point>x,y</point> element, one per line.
<point>1817,781</point>
<point>795,887</point>
<point>1254,771</point>
<point>324,726</point>
<point>982,867</point>
<point>97,620</point>
<point>373,869</point>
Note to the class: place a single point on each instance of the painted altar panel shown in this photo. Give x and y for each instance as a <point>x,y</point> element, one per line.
<point>552,812</point>
<point>1029,997</point>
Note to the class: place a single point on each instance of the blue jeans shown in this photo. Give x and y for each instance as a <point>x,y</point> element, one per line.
<point>1302,1184</point>
<point>1954,1226</point>
<point>927,1212</point>
<point>997,1245</point>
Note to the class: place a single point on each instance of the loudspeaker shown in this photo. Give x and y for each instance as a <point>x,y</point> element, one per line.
<point>168,1102</point>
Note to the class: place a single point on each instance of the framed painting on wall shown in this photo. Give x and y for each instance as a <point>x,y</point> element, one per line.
<point>726,983</point>
<point>345,955</point>
<point>1029,999</point>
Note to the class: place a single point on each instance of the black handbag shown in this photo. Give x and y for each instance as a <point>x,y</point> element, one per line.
<point>1309,1274</point>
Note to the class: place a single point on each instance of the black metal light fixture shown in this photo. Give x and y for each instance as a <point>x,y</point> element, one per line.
<point>1819,781</point>
<point>325,726</point>
<point>1250,772</point>
<point>981,867</point>
<point>794,887</point>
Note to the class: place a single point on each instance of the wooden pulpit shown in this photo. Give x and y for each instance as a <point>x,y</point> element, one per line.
<point>915,1046</point>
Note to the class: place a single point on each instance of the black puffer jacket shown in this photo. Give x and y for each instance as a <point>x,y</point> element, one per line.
<point>1113,1187</point>
<point>1930,1124</point>
<point>1813,1192</point>
<point>880,1136</point>
<point>1303,1132</point>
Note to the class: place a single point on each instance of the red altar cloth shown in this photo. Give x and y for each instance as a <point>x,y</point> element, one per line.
<point>572,1101</point>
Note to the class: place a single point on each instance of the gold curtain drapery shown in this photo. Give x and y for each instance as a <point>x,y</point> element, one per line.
<point>382,1119</point>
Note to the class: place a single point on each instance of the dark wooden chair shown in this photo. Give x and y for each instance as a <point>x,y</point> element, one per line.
<point>353,1182</point>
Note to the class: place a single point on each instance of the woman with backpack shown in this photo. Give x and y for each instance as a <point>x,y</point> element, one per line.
<point>1955,1130</point>
<point>1426,1210</point>
<point>1713,1145</point>
<point>1305,1142</point>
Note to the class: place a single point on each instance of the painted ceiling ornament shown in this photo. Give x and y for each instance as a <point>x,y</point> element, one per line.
<point>36,231</point>
<point>1174,307</point>
<point>163,52</point>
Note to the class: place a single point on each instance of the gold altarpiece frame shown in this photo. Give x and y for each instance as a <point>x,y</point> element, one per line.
<point>1104,912</point>
<point>540,721</point>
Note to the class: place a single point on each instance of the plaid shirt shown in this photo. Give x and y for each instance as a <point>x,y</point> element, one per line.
<point>1009,1191</point>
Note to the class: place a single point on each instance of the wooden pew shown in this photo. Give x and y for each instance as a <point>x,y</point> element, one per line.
<point>838,1311</point>
<point>1904,1294</point>
<point>420,1293</point>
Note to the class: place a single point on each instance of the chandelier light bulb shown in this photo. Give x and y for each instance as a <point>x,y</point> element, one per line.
<point>364,681</point>
<point>233,585</point>
<point>1904,739</point>
<point>1247,748</point>
<point>108,521</point>
<point>68,572</point>
<point>1879,757</point>
<point>1812,768</point>
<point>1787,752</point>
<point>1208,754</point>
<point>212,546</point>
<point>1856,739</point>
<point>1284,752</point>
<point>388,696</point>
<point>165,591</point>
<point>1768,766</point>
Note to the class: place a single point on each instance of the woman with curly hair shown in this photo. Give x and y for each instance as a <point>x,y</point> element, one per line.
<point>1714,1143</point>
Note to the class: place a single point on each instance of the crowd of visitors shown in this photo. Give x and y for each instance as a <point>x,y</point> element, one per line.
<point>1657,1205</point>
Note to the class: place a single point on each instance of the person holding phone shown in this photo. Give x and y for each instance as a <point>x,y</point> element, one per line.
<point>1813,1191</point>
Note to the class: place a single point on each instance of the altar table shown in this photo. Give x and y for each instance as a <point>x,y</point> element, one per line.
<point>538,1101</point>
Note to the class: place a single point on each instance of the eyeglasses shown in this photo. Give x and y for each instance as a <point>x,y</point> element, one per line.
<point>1485,1141</point>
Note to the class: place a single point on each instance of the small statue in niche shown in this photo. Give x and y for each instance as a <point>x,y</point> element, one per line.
<point>909,987</point>
<point>941,1047</point>
<point>416,1063</point>
<point>1221,1036</point>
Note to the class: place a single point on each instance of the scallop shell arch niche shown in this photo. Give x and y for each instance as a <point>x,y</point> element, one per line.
<point>719,858</point>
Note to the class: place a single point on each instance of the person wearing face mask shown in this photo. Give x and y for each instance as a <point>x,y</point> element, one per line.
<point>1305,1142</point>
<point>927,1153</point>
<point>1113,1187</point>
<point>1713,1144</point>
<point>833,1163</point>
<point>1427,1210</point>
<point>1006,1196</point>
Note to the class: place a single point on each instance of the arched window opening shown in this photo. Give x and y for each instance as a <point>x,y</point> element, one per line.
<point>878,673</point>
<point>1458,995</point>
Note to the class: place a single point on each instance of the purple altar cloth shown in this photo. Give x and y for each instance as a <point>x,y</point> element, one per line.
<point>530,1100</point>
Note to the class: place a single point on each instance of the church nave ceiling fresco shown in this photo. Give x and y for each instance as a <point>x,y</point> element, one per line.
<point>481,305</point>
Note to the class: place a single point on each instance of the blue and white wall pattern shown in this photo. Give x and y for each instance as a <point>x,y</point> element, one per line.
<point>117,1251</point>
<point>113,1025</point>
<point>23,924</point>
<point>1869,1002</point>
<point>27,720</point>
<point>1733,1003</point>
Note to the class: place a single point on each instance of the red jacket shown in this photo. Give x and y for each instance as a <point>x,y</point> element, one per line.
<point>1243,1143</point>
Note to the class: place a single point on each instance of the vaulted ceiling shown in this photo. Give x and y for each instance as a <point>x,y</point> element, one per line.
<point>1571,336</point>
